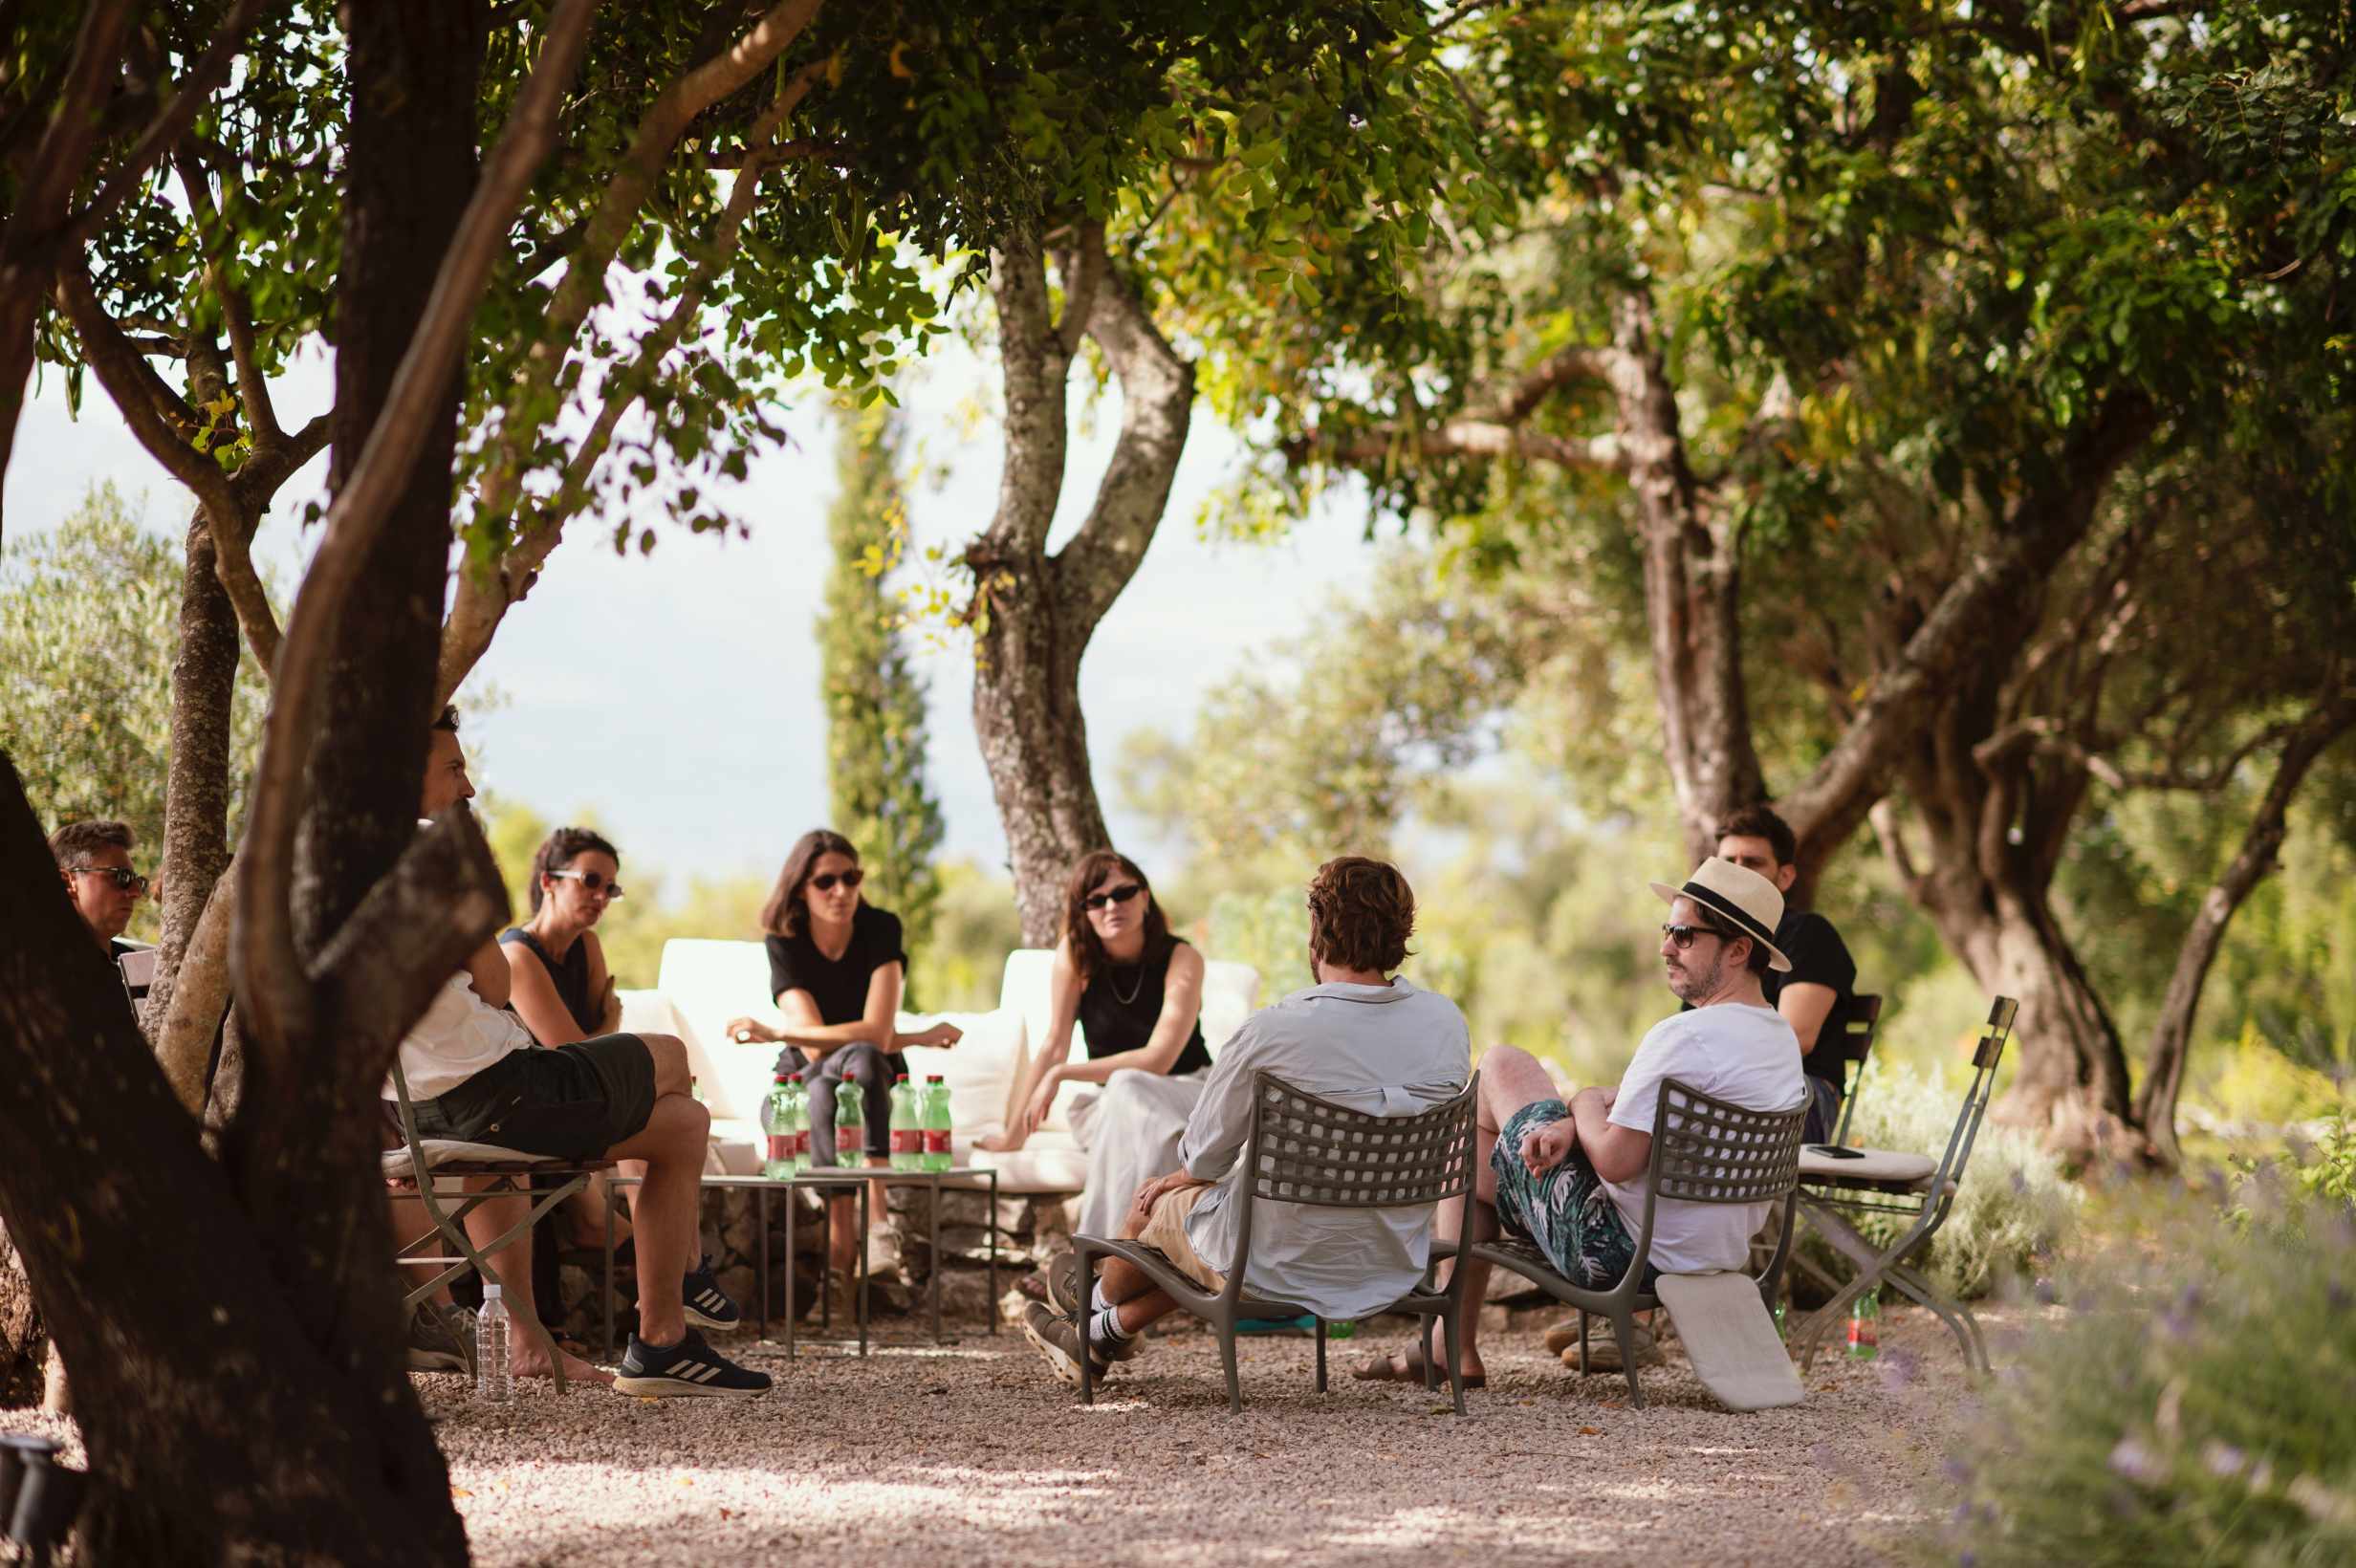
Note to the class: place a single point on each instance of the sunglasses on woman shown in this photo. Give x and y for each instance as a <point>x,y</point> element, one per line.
<point>591,881</point>
<point>1681,937</point>
<point>124,880</point>
<point>1111,896</point>
<point>824,881</point>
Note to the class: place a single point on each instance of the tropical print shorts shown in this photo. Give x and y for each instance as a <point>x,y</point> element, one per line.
<point>1566,1210</point>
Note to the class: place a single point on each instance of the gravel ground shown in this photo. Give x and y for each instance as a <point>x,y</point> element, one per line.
<point>972,1455</point>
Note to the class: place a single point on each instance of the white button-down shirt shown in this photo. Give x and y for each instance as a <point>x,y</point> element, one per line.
<point>1387,1050</point>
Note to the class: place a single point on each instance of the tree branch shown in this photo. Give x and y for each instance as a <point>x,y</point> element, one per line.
<point>253,391</point>
<point>211,70</point>
<point>1157,404</point>
<point>483,598</point>
<point>2171,1034</point>
<point>267,966</point>
<point>229,517</point>
<point>1031,368</point>
<point>1084,270</point>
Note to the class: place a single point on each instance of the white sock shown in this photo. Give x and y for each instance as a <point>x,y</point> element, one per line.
<point>1106,1327</point>
<point>1096,1297</point>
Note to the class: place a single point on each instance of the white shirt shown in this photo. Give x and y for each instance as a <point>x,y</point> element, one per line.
<point>1389,1049</point>
<point>459,1035</point>
<point>1728,1051</point>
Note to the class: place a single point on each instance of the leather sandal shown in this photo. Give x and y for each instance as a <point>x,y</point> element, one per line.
<point>1408,1366</point>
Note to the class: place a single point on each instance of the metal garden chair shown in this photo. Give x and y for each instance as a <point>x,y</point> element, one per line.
<point>1704,1150</point>
<point>423,1164</point>
<point>1304,1149</point>
<point>1857,1025</point>
<point>1913,1187</point>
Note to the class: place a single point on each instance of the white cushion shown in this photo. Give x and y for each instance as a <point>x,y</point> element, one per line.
<point>735,1149</point>
<point>1048,1162</point>
<point>1881,1166</point>
<point>1231,995</point>
<point>706,983</point>
<point>443,1151</point>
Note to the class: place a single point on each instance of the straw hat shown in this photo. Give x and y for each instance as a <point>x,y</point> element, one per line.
<point>1742,898</point>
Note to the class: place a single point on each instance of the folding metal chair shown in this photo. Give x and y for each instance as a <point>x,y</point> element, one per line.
<point>1910,1186</point>
<point>424,1164</point>
<point>1704,1150</point>
<point>1304,1149</point>
<point>1855,1030</point>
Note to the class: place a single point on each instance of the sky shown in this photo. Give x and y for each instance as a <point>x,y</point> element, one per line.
<point>676,695</point>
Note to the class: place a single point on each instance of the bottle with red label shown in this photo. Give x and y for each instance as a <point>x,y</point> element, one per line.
<point>907,1133</point>
<point>797,1121</point>
<point>932,1108</point>
<point>1865,1327</point>
<point>777,1129</point>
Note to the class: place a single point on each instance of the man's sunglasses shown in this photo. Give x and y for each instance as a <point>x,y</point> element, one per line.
<point>824,881</point>
<point>1682,936</point>
<point>591,881</point>
<point>126,881</point>
<point>1111,896</point>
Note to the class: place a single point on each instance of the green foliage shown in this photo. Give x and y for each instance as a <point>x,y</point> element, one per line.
<point>2196,1401</point>
<point>875,702</point>
<point>1268,930</point>
<point>88,627</point>
<point>974,926</point>
<point>2015,1205</point>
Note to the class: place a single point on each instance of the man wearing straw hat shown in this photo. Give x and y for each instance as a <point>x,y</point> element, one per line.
<point>1571,1176</point>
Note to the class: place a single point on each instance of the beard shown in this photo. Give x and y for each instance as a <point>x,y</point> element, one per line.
<point>1690,984</point>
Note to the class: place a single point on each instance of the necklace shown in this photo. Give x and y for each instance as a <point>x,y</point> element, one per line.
<point>1125,1001</point>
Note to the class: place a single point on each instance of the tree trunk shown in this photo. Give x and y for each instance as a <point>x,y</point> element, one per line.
<point>1692,591</point>
<point>1036,612</point>
<point>2171,1034</point>
<point>24,1340</point>
<point>196,802</point>
<point>218,1430</point>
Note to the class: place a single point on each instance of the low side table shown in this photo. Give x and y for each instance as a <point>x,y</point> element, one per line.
<point>962,1178</point>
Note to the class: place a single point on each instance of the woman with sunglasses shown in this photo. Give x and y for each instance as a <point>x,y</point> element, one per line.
<point>1136,990</point>
<point>562,988</point>
<point>836,969</point>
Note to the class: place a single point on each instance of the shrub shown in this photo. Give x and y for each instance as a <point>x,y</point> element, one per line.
<point>2196,1404</point>
<point>2013,1208</point>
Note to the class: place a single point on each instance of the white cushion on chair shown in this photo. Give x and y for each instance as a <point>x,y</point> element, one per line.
<point>1876,1166</point>
<point>443,1151</point>
<point>1731,1340</point>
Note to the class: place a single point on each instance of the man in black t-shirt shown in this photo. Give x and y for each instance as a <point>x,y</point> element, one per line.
<point>1818,994</point>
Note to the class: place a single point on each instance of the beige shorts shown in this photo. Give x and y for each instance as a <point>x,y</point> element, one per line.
<point>1166,1233</point>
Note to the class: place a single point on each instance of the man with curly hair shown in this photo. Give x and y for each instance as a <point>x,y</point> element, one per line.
<point>1363,1038</point>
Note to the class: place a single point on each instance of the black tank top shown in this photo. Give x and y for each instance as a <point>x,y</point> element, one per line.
<point>1121,1004</point>
<point>571,977</point>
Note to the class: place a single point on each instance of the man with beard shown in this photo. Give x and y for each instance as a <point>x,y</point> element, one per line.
<point>1572,1176</point>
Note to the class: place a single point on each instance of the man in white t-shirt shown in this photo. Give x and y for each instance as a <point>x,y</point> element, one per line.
<point>1571,1177</point>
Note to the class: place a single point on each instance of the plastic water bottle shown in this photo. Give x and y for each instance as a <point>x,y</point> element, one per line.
<point>850,1125</point>
<point>777,1125</point>
<point>933,1109</point>
<point>798,1122</point>
<point>492,1381</point>
<point>1864,1327</point>
<point>907,1130</point>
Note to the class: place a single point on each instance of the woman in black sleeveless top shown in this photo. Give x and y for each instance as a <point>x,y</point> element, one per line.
<point>561,987</point>
<point>835,970</point>
<point>1136,992</point>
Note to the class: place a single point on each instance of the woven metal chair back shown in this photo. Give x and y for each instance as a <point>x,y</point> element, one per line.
<point>1309,1150</point>
<point>1711,1150</point>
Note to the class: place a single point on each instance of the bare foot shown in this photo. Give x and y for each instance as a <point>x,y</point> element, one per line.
<point>526,1359</point>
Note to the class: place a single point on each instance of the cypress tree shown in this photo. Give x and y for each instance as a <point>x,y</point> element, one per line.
<point>875,702</point>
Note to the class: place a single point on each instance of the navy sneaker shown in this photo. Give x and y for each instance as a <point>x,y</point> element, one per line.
<point>706,1305</point>
<point>688,1367</point>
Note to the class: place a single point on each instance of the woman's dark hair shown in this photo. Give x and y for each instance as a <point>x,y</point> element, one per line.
<point>559,849</point>
<point>1088,952</point>
<point>1361,914</point>
<point>787,911</point>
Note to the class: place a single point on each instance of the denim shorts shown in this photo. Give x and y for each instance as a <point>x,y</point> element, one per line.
<point>1566,1210</point>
